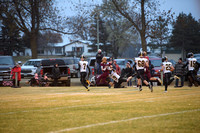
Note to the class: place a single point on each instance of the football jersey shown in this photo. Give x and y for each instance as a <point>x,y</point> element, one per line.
<point>167,67</point>
<point>83,66</point>
<point>104,65</point>
<point>191,63</point>
<point>140,63</point>
<point>114,76</point>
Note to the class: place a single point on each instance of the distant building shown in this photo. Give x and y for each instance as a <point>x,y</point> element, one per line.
<point>72,49</point>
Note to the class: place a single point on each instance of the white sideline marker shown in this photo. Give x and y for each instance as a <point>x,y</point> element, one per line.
<point>118,121</point>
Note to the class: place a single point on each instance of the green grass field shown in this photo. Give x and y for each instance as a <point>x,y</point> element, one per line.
<point>101,110</point>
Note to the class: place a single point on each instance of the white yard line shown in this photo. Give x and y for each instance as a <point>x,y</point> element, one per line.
<point>87,105</point>
<point>125,120</point>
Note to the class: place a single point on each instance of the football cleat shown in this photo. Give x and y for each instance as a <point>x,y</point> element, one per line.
<point>87,89</point>
<point>88,82</point>
<point>151,87</point>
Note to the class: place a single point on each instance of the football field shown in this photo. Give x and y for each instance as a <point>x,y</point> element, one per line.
<point>101,110</point>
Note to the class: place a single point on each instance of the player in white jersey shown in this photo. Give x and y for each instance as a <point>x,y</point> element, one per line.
<point>83,66</point>
<point>191,62</point>
<point>167,68</point>
<point>139,65</point>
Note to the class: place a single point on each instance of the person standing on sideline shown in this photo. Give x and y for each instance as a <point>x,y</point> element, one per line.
<point>180,72</point>
<point>99,57</point>
<point>167,68</point>
<point>117,68</point>
<point>56,74</point>
<point>16,70</point>
<point>83,66</point>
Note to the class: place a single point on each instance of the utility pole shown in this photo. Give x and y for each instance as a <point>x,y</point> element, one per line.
<point>97,28</point>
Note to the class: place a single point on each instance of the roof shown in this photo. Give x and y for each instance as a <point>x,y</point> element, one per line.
<point>79,41</point>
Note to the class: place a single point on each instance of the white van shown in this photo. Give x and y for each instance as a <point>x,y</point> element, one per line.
<point>29,67</point>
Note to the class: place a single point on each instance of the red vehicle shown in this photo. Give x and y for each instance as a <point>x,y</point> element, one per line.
<point>156,62</point>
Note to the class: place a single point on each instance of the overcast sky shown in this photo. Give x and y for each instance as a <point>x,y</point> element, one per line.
<point>177,6</point>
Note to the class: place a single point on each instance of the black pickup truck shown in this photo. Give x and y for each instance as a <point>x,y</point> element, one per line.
<point>47,66</point>
<point>6,65</point>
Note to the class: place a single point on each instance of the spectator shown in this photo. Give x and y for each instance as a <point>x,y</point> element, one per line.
<point>117,68</point>
<point>99,57</point>
<point>180,72</point>
<point>16,70</point>
<point>38,70</point>
<point>56,74</point>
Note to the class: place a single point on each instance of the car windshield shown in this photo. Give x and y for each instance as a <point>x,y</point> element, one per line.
<point>6,61</point>
<point>32,63</point>
<point>69,61</point>
<point>156,63</point>
<point>120,62</point>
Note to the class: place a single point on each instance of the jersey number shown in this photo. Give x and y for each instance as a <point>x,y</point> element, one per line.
<point>141,63</point>
<point>168,67</point>
<point>192,63</point>
<point>84,66</point>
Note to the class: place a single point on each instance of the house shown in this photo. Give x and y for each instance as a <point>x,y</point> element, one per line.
<point>78,48</point>
<point>72,49</point>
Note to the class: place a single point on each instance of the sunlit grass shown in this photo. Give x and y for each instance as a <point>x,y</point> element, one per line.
<point>52,109</point>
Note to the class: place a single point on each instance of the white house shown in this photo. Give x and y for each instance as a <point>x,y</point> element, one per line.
<point>78,48</point>
<point>74,48</point>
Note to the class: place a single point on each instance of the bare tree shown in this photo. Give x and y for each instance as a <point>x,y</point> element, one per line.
<point>31,16</point>
<point>141,14</point>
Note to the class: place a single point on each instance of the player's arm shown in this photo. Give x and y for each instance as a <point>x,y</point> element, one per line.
<point>88,70</point>
<point>79,66</point>
<point>185,65</point>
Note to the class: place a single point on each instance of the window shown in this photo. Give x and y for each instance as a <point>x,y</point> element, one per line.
<point>58,50</point>
<point>41,51</point>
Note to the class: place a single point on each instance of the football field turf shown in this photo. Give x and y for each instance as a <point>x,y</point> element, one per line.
<point>101,110</point>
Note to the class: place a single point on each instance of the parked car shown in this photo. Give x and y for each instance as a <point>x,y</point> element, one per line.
<point>29,68</point>
<point>72,63</point>
<point>122,62</point>
<point>47,66</point>
<point>6,64</point>
<point>157,63</point>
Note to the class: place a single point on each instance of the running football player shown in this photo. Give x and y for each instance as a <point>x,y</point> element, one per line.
<point>140,64</point>
<point>83,66</point>
<point>167,68</point>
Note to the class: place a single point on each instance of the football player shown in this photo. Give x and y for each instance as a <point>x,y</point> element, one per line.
<point>167,68</point>
<point>191,62</point>
<point>118,79</point>
<point>105,69</point>
<point>140,64</point>
<point>83,66</point>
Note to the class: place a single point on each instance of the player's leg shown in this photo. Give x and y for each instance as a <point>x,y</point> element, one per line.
<point>145,82</point>
<point>167,78</point>
<point>83,81</point>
